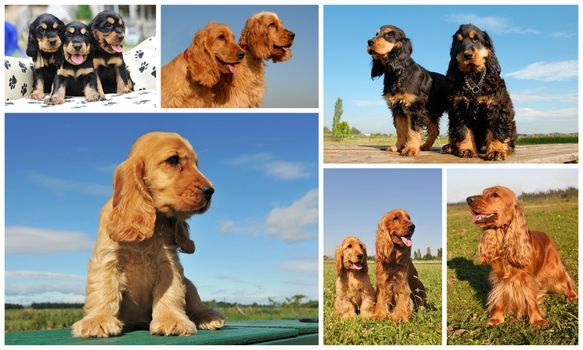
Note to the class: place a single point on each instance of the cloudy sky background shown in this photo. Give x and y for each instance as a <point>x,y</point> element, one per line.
<point>259,239</point>
<point>536,47</point>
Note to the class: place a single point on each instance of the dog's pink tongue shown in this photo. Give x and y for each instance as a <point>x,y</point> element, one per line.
<point>357,265</point>
<point>231,68</point>
<point>116,47</point>
<point>407,241</point>
<point>77,59</point>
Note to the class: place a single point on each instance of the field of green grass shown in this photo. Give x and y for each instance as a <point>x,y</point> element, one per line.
<point>468,286</point>
<point>424,328</point>
<point>43,319</point>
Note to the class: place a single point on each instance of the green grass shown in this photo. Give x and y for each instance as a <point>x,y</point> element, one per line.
<point>424,328</point>
<point>43,319</point>
<point>468,286</point>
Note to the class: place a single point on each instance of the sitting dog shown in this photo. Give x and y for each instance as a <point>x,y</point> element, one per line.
<point>44,47</point>
<point>354,293</point>
<point>108,30</point>
<point>75,76</point>
<point>135,278</point>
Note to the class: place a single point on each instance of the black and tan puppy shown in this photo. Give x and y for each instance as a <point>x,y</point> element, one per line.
<point>481,116</point>
<point>108,30</point>
<point>44,47</point>
<point>416,97</point>
<point>75,76</point>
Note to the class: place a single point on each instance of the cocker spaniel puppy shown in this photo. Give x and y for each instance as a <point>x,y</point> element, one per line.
<point>481,115</point>
<point>525,264</point>
<point>354,293</point>
<point>203,73</point>
<point>399,289</point>
<point>135,278</point>
<point>416,97</point>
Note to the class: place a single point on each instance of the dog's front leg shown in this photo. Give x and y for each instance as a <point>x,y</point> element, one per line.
<point>169,301</point>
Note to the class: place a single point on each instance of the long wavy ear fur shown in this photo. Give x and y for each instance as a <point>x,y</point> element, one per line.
<point>517,247</point>
<point>202,65</point>
<point>32,47</point>
<point>400,55</point>
<point>133,216</point>
<point>254,37</point>
<point>384,243</point>
<point>492,61</point>
<point>365,264</point>
<point>339,260</point>
<point>182,238</point>
<point>489,247</point>
<point>378,68</point>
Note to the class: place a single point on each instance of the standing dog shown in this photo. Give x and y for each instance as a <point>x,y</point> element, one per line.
<point>108,30</point>
<point>75,76</point>
<point>416,97</point>
<point>44,47</point>
<point>481,115</point>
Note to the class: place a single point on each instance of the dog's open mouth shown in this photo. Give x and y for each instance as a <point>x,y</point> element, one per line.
<point>76,58</point>
<point>285,48</point>
<point>357,265</point>
<point>478,218</point>
<point>231,67</point>
<point>407,241</point>
<point>115,47</point>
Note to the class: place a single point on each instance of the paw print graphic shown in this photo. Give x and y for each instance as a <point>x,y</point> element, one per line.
<point>12,82</point>
<point>154,71</point>
<point>139,54</point>
<point>22,67</point>
<point>143,67</point>
<point>6,64</point>
<point>23,89</point>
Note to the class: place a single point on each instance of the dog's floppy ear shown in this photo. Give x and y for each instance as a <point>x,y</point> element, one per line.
<point>378,68</point>
<point>32,46</point>
<point>182,238</point>
<point>492,61</point>
<point>202,64</point>
<point>255,39</point>
<point>133,215</point>
<point>517,247</point>
<point>384,242</point>
<point>365,258</point>
<point>339,260</point>
<point>405,48</point>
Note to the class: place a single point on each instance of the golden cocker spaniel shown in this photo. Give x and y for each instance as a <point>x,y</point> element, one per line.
<point>399,289</point>
<point>354,292</point>
<point>135,279</point>
<point>525,264</point>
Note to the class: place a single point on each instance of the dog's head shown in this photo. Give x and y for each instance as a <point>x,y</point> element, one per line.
<point>494,208</point>
<point>389,44</point>
<point>398,226</point>
<point>351,255</point>
<point>108,30</point>
<point>44,34</point>
<point>472,50</point>
<point>76,43</point>
<point>265,37</point>
<point>159,178</point>
<point>212,54</point>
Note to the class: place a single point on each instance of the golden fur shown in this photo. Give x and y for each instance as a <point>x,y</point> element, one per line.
<point>354,293</point>
<point>525,264</point>
<point>200,77</point>
<point>135,279</point>
<point>399,289</point>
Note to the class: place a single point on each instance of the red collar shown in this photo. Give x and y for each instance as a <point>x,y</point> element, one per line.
<point>186,55</point>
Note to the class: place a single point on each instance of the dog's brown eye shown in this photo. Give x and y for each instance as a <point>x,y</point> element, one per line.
<point>395,218</point>
<point>221,37</point>
<point>349,246</point>
<point>495,195</point>
<point>174,160</point>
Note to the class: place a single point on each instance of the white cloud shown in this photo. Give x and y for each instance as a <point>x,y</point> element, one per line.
<point>490,23</point>
<point>49,297</point>
<point>272,166</point>
<point>291,223</point>
<point>39,241</point>
<point>536,114</point>
<point>62,186</point>
<point>34,289</point>
<point>41,275</point>
<point>547,71</point>
<point>540,95</point>
<point>227,226</point>
<point>300,265</point>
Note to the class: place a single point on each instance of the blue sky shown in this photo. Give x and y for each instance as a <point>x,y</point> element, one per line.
<point>536,47</point>
<point>462,183</point>
<point>356,199</point>
<point>259,238</point>
<point>293,83</point>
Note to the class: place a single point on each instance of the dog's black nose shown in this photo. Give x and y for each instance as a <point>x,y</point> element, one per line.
<point>292,35</point>
<point>120,37</point>
<point>240,54</point>
<point>468,55</point>
<point>470,200</point>
<point>360,256</point>
<point>53,40</point>
<point>370,42</point>
<point>207,191</point>
<point>411,228</point>
<point>77,46</point>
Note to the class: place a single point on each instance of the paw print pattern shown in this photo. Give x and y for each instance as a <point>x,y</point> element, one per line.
<point>143,67</point>
<point>6,64</point>
<point>154,71</point>
<point>12,82</point>
<point>139,54</point>
<point>23,89</point>
<point>22,67</point>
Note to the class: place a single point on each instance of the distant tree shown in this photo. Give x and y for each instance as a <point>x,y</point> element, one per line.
<point>428,255</point>
<point>338,110</point>
<point>326,130</point>
<point>342,130</point>
<point>419,255</point>
<point>439,253</point>
<point>354,131</point>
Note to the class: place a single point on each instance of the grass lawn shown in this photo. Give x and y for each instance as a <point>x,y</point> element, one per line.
<point>42,319</point>
<point>468,286</point>
<point>424,327</point>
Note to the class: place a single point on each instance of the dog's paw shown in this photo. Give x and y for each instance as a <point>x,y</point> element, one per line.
<point>540,323</point>
<point>124,89</point>
<point>172,325</point>
<point>97,327</point>
<point>55,100</point>
<point>495,155</point>
<point>447,149</point>
<point>392,148</point>
<point>466,153</point>
<point>37,95</point>
<point>210,319</point>
<point>410,151</point>
<point>495,321</point>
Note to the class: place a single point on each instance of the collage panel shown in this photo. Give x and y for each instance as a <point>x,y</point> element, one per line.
<point>382,257</point>
<point>128,213</point>
<point>512,256</point>
<point>239,56</point>
<point>450,84</point>
<point>80,57</point>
